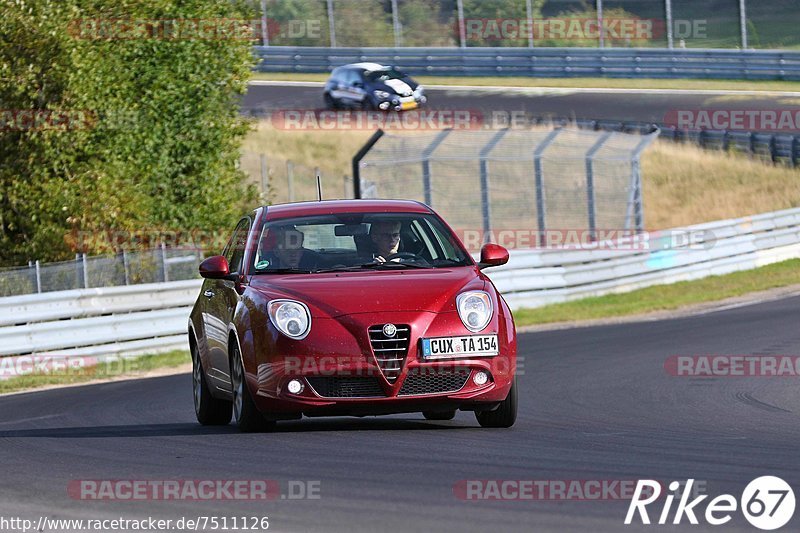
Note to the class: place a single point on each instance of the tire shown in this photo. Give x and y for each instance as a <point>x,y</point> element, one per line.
<point>330,103</point>
<point>506,413</point>
<point>245,413</point>
<point>210,411</point>
<point>439,415</point>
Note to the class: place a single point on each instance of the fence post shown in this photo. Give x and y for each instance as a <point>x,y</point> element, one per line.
<point>635,209</point>
<point>264,176</point>
<point>426,164</point>
<point>398,34</point>
<point>290,179</point>
<point>357,161</point>
<point>78,274</point>
<point>462,31</point>
<point>541,213</point>
<point>600,29</point>
<point>670,38</point>
<point>164,262</point>
<point>38,277</point>
<point>590,182</point>
<point>743,22</point>
<point>529,14</point>
<point>486,212</point>
<point>264,28</point>
<point>126,267</point>
<point>331,24</point>
<point>85,272</point>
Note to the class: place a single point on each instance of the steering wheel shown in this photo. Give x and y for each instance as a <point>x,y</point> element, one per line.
<point>401,255</point>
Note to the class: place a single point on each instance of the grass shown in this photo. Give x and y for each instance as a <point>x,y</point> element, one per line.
<point>571,83</point>
<point>683,184</point>
<point>133,367</point>
<point>666,297</point>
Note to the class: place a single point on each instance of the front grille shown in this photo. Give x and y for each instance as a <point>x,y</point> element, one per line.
<point>390,352</point>
<point>346,387</point>
<point>433,381</point>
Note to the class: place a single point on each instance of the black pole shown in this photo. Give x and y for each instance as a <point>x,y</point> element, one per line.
<point>357,160</point>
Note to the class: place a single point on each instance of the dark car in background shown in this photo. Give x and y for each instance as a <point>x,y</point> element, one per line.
<point>372,86</point>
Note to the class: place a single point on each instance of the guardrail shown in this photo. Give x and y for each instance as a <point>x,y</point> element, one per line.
<point>544,62</point>
<point>534,278</point>
<point>125,321</point>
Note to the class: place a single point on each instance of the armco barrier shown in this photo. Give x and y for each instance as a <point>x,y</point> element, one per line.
<point>544,62</point>
<point>123,321</point>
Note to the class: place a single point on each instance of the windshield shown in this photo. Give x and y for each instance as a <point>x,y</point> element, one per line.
<point>385,74</point>
<point>359,241</point>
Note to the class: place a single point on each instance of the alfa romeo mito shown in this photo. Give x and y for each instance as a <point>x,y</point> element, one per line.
<point>350,307</point>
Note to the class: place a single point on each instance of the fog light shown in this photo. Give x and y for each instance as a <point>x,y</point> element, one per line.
<point>295,386</point>
<point>480,378</point>
<point>384,105</point>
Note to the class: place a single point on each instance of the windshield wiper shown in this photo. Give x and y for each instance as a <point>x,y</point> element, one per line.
<point>284,271</point>
<point>389,265</point>
<point>393,264</point>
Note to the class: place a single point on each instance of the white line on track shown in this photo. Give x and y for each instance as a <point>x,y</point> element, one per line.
<point>553,90</point>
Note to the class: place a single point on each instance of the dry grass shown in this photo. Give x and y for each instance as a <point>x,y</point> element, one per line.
<point>683,184</point>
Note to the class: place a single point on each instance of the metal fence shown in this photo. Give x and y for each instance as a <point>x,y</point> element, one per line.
<point>531,23</point>
<point>488,181</point>
<point>125,268</point>
<point>544,62</point>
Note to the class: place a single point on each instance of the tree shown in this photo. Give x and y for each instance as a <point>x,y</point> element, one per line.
<point>153,140</point>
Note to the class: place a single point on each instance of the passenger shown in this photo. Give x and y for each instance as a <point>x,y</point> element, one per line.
<point>287,251</point>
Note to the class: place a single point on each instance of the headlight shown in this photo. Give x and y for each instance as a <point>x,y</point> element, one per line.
<point>383,95</point>
<point>291,318</point>
<point>475,309</point>
<point>419,89</point>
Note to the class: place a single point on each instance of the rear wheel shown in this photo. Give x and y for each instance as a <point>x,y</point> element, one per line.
<point>245,413</point>
<point>505,415</point>
<point>439,415</point>
<point>210,411</point>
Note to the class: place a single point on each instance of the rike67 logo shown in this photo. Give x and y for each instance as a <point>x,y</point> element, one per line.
<point>767,503</point>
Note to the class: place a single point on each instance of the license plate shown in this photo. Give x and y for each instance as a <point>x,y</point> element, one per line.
<point>408,105</point>
<point>450,347</point>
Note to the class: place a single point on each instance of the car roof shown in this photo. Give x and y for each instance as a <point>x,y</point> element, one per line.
<point>367,66</point>
<point>328,207</point>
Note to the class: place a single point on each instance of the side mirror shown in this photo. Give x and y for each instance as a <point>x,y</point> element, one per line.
<point>215,267</point>
<point>493,255</point>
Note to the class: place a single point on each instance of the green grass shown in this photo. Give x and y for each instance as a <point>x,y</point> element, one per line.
<point>611,83</point>
<point>132,367</point>
<point>666,297</point>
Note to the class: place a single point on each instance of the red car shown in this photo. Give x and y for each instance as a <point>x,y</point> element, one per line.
<point>351,307</point>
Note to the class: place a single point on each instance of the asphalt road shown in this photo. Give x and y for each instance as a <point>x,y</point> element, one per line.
<point>596,404</point>
<point>643,106</point>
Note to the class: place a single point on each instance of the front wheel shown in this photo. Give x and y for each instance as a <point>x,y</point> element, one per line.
<point>245,413</point>
<point>330,103</point>
<point>210,411</point>
<point>505,415</point>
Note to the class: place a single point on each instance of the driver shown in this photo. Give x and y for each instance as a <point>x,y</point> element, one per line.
<point>385,236</point>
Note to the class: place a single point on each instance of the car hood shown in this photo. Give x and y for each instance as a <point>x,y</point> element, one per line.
<point>346,293</point>
<point>402,87</point>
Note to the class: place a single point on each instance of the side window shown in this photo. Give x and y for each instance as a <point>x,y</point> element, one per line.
<point>353,76</point>
<point>234,252</point>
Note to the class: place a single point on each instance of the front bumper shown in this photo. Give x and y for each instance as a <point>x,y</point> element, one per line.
<point>339,373</point>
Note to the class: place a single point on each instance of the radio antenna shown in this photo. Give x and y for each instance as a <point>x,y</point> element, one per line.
<point>319,185</point>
